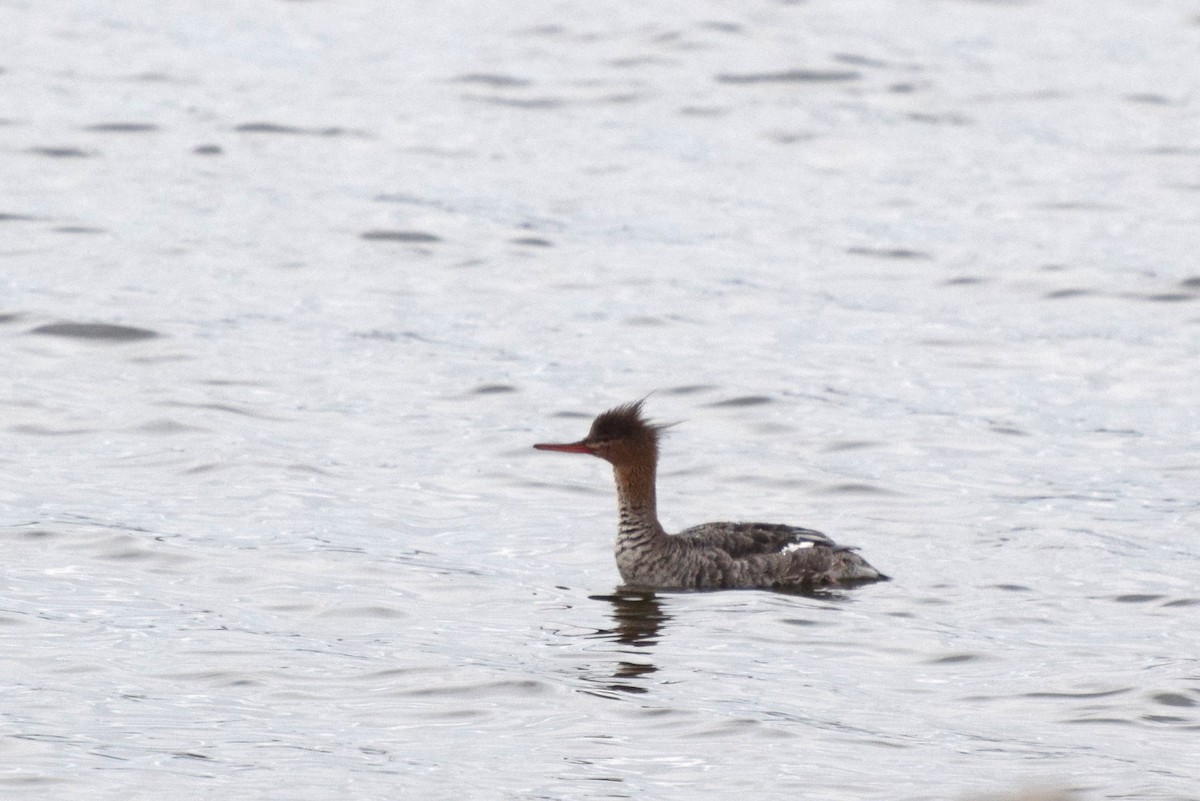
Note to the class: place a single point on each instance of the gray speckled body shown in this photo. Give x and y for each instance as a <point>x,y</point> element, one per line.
<point>712,555</point>
<point>732,555</point>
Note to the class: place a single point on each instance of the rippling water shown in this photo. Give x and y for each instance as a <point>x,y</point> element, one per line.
<point>287,290</point>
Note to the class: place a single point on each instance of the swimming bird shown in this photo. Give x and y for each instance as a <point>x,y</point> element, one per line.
<point>711,555</point>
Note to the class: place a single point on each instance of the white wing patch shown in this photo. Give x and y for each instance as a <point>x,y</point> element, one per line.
<point>792,547</point>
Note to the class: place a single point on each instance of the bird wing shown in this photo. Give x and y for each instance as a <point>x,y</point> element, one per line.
<point>741,540</point>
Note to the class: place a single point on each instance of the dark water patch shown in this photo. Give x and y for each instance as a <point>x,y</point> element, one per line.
<point>532,103</point>
<point>789,76</point>
<point>638,61</point>
<point>373,612</point>
<point>1013,587</point>
<point>550,30</point>
<point>853,488</point>
<point>10,217</point>
<point>1061,294</point>
<point>689,389</point>
<point>1170,719</point>
<point>720,26</point>
<point>575,415</point>
<point>39,534</point>
<point>966,280</point>
<point>412,200</point>
<point>1077,205</point>
<point>129,554</point>
<point>1077,696</point>
<point>224,678</point>
<point>43,431</point>
<point>208,150</point>
<point>154,77</point>
<point>494,389</point>
<point>219,407</point>
<point>1150,98</point>
<point>1137,598</point>
<point>767,430</point>
<point>1164,297</point>
<point>1183,602</point>
<point>1102,721</point>
<point>1191,283</point>
<point>533,241</point>
<point>391,336</point>
<point>939,119</point>
<point>744,400</point>
<point>232,382</point>
<point>122,127</point>
<point>162,359</point>
<point>954,659</point>
<point>668,37</point>
<point>859,60</point>
<point>1040,498</point>
<point>978,699</point>
<point>168,426</point>
<point>62,152</point>
<point>1174,699</point>
<point>506,687</point>
<point>78,229</point>
<point>293,130</point>
<point>620,98</point>
<point>954,343</point>
<point>644,320</point>
<point>790,137</point>
<point>850,445</point>
<point>889,253</point>
<point>100,332</point>
<point>493,80</point>
<point>11,317</point>
<point>703,111</point>
<point>802,621</point>
<point>312,469</point>
<point>380,235</point>
<point>201,469</point>
<point>1016,432</point>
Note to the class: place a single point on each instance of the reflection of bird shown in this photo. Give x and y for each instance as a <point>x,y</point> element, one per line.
<point>639,617</point>
<point>708,556</point>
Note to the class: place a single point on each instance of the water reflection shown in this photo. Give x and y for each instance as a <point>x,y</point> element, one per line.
<point>638,615</point>
<point>638,618</point>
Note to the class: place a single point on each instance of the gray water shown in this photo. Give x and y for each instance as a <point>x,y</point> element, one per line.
<point>288,289</point>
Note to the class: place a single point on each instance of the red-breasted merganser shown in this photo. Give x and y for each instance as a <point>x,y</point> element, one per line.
<point>708,556</point>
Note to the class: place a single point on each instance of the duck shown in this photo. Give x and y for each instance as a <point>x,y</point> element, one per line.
<point>709,556</point>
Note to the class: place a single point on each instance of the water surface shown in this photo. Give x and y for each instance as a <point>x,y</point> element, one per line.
<point>290,289</point>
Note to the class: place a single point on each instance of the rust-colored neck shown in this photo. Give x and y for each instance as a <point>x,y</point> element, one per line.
<point>636,499</point>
